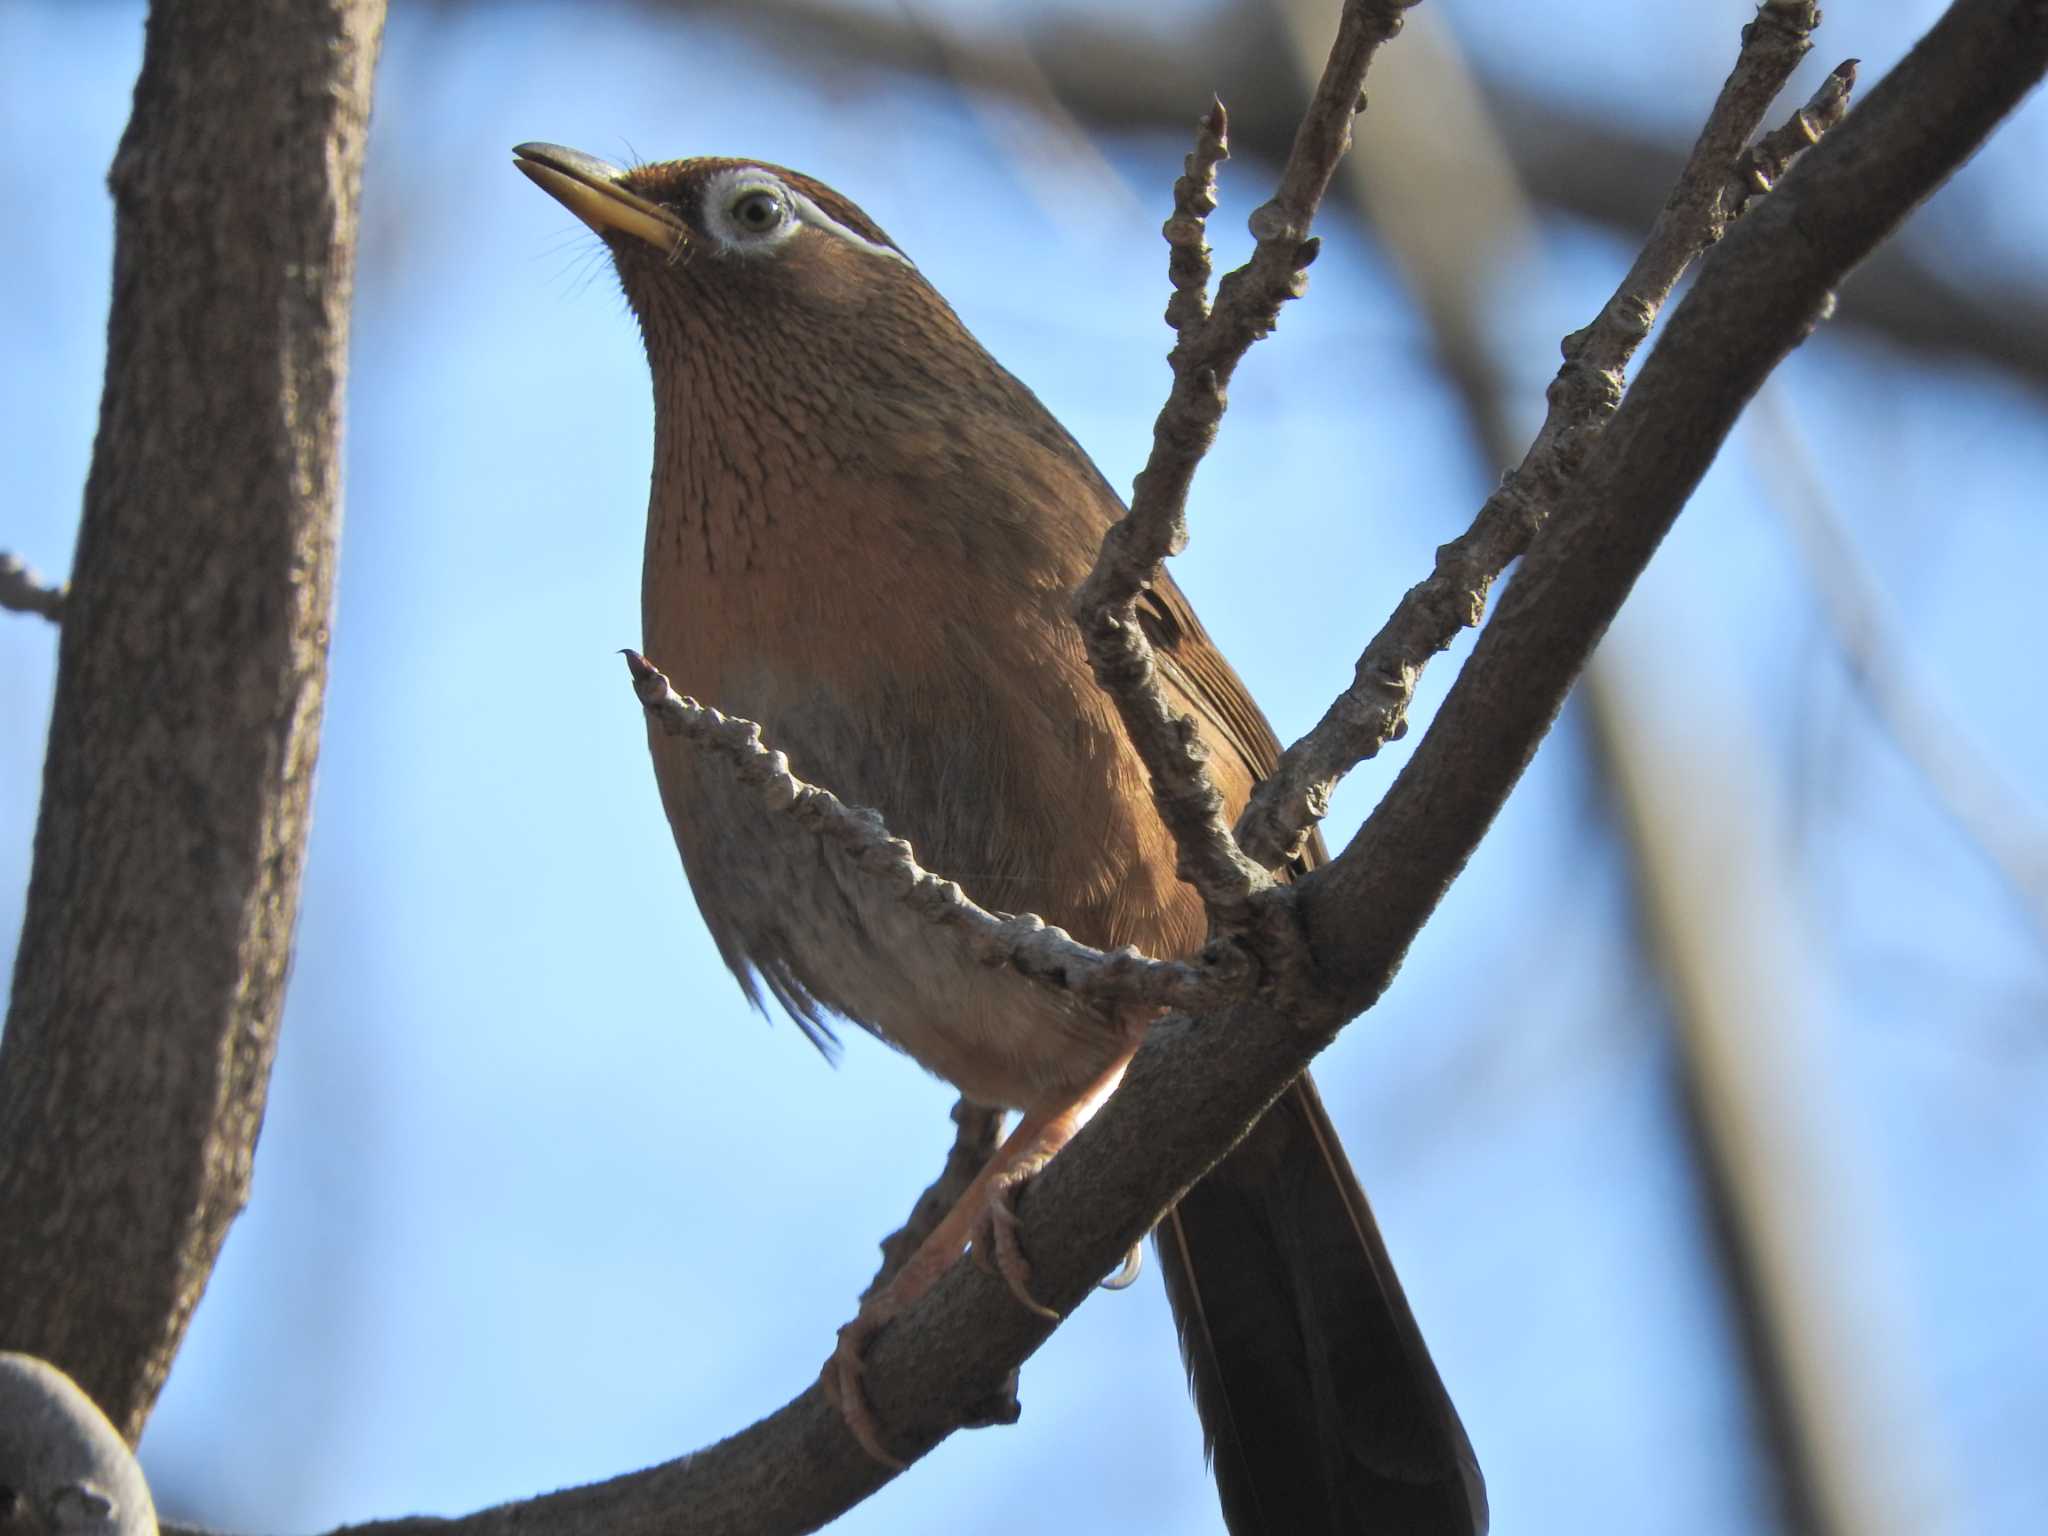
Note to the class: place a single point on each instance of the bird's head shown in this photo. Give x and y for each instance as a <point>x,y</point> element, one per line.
<point>720,248</point>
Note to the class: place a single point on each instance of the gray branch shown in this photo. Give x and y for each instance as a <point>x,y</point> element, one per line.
<point>1026,943</point>
<point>1210,347</point>
<point>1373,710</point>
<point>1758,294</point>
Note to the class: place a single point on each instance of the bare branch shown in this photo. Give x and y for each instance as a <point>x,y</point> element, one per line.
<point>1634,714</point>
<point>1247,307</point>
<point>1373,710</point>
<point>1187,232</point>
<point>1758,294</point>
<point>1770,156</point>
<point>23,591</point>
<point>1025,943</point>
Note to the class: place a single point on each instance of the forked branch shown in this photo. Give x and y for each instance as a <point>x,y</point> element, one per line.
<point>1207,354</point>
<point>1373,710</point>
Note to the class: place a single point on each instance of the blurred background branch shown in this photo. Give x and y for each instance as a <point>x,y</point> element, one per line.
<point>1116,77</point>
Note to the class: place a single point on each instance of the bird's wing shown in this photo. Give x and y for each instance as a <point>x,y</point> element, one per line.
<point>1197,674</point>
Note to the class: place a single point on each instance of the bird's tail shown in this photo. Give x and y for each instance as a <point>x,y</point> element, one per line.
<point>1321,1409</point>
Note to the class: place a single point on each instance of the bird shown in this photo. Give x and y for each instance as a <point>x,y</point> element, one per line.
<point>863,533</point>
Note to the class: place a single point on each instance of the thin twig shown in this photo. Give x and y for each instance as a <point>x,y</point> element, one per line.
<point>1373,710</point>
<point>23,591</point>
<point>1187,232</point>
<point>1026,943</point>
<point>1207,354</point>
<point>1772,155</point>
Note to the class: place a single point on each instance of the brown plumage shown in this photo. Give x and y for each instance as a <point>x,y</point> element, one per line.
<point>863,533</point>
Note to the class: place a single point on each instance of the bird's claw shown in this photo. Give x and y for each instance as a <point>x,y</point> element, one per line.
<point>845,1390</point>
<point>996,1248</point>
<point>1127,1273</point>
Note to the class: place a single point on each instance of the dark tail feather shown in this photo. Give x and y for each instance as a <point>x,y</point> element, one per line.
<point>1321,1409</point>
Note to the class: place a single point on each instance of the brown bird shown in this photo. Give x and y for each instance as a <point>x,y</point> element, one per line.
<point>863,533</point>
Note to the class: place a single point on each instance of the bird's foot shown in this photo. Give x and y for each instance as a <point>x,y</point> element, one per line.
<point>1127,1272</point>
<point>845,1390</point>
<point>996,1247</point>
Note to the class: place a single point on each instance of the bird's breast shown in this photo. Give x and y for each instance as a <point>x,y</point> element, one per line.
<point>925,666</point>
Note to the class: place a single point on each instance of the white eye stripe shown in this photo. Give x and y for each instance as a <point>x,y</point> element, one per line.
<point>818,218</point>
<point>729,188</point>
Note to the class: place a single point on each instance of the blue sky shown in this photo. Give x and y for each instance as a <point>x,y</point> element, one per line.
<point>539,1200</point>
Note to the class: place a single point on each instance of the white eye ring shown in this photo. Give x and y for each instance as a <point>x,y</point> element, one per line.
<point>749,212</point>
<point>739,202</point>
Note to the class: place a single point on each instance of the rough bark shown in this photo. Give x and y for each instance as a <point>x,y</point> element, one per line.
<point>190,677</point>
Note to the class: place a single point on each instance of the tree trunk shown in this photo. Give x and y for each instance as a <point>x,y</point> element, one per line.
<point>190,679</point>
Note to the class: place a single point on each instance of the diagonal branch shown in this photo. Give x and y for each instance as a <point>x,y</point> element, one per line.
<point>1025,943</point>
<point>1373,710</point>
<point>1247,307</point>
<point>1757,296</point>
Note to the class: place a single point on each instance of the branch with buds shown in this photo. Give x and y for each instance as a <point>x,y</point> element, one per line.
<point>1374,709</point>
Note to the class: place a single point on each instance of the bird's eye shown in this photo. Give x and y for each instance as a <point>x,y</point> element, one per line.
<point>756,212</point>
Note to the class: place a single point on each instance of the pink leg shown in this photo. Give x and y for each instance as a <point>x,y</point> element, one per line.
<point>995,1224</point>
<point>984,1215</point>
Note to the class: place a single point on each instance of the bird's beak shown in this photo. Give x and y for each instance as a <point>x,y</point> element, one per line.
<point>589,188</point>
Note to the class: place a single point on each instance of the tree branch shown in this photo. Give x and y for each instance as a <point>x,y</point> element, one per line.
<point>1025,943</point>
<point>1248,304</point>
<point>1373,710</point>
<point>190,677</point>
<point>1622,696</point>
<point>1772,155</point>
<point>1757,296</point>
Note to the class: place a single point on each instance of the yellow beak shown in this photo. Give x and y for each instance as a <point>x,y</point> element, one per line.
<point>589,188</point>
